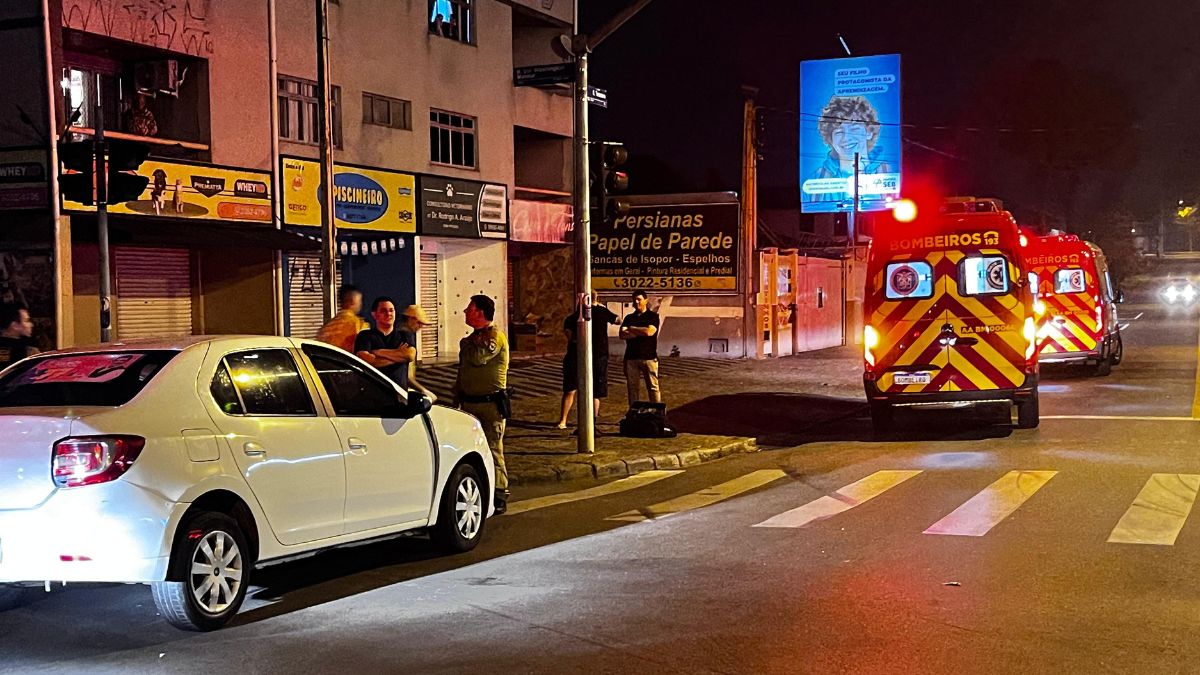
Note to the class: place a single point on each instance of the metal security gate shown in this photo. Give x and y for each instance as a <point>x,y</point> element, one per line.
<point>153,288</point>
<point>431,283</point>
<point>305,313</point>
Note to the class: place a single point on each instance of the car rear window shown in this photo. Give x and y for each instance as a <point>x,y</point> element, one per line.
<point>103,379</point>
<point>1069,280</point>
<point>909,280</point>
<point>983,275</point>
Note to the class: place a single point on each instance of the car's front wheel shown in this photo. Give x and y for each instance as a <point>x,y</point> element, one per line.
<point>462,512</point>
<point>211,563</point>
<point>11,596</point>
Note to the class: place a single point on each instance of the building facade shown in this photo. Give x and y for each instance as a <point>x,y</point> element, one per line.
<point>432,143</point>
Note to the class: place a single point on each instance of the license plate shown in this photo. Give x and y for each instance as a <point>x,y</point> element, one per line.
<point>912,378</point>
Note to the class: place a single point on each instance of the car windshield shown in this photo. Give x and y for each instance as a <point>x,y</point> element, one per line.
<point>103,379</point>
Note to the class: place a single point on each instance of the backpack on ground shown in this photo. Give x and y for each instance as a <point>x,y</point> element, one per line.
<point>647,420</point>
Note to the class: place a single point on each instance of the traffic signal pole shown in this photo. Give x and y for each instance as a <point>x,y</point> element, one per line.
<point>581,46</point>
<point>324,113</point>
<point>102,222</point>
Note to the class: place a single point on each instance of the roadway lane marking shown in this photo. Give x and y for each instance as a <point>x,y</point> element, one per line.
<point>634,481</point>
<point>1159,512</point>
<point>1138,316</point>
<point>998,501</point>
<point>844,499</point>
<point>1135,418</point>
<point>706,497</point>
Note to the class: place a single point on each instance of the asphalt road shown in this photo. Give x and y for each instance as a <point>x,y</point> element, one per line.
<point>960,545</point>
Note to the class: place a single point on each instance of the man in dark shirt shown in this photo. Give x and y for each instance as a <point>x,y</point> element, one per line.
<point>16,334</point>
<point>639,330</point>
<point>601,319</point>
<point>384,346</point>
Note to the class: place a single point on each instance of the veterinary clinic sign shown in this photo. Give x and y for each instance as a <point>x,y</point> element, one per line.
<point>676,248</point>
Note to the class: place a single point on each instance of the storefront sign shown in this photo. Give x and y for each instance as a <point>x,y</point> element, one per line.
<point>463,208</point>
<point>23,179</point>
<point>364,198</point>
<point>543,222</point>
<point>669,248</point>
<point>196,191</point>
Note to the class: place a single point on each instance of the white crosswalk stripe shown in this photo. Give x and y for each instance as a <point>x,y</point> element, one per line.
<point>701,498</point>
<point>840,501</point>
<point>635,481</point>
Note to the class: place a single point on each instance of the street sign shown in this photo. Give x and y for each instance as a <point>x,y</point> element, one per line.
<point>598,96</point>
<point>542,76</point>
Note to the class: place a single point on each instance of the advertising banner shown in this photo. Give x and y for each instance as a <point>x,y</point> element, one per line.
<point>463,208</point>
<point>675,248</point>
<point>849,106</point>
<point>23,182</point>
<point>364,198</point>
<point>196,191</point>
<point>544,222</point>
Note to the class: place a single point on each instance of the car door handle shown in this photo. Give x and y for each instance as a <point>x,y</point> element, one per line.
<point>357,446</point>
<point>253,449</point>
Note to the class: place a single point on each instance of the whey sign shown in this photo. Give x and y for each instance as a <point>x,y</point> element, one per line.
<point>673,248</point>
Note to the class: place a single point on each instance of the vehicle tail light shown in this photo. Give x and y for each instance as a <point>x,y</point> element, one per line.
<point>1099,318</point>
<point>88,460</point>
<point>870,342</point>
<point>1031,336</point>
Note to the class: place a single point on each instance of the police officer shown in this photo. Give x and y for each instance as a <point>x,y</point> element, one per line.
<point>482,384</point>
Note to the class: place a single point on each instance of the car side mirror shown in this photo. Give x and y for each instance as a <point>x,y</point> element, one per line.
<point>1120,296</point>
<point>416,404</point>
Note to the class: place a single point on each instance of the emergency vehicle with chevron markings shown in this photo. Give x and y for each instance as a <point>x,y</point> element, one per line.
<point>1076,303</point>
<point>949,314</point>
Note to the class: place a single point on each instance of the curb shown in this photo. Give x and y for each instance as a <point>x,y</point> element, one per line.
<point>610,468</point>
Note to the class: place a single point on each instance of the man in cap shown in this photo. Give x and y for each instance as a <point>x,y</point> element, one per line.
<point>412,320</point>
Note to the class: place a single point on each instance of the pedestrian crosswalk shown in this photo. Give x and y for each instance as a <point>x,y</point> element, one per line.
<point>1156,516</point>
<point>543,376</point>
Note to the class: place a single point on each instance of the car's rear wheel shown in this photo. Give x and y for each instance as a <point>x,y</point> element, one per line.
<point>1027,412</point>
<point>211,563</point>
<point>1118,351</point>
<point>1104,366</point>
<point>463,511</point>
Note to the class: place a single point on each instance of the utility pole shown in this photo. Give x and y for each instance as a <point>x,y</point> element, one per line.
<point>324,113</point>
<point>102,220</point>
<point>276,182</point>
<point>852,221</point>
<point>749,264</point>
<point>581,45</point>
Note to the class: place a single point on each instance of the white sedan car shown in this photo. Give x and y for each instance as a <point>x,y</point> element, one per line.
<point>186,464</point>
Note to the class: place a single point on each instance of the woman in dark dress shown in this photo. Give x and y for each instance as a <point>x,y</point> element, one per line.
<point>601,319</point>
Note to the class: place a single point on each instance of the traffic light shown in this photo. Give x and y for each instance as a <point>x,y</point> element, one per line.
<point>124,157</point>
<point>77,179</point>
<point>613,182</point>
<point>79,159</point>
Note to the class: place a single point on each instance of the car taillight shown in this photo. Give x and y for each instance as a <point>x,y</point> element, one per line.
<point>1030,332</point>
<point>89,460</point>
<point>870,341</point>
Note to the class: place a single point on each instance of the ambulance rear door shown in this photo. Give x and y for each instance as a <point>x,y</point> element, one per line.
<point>984,328</point>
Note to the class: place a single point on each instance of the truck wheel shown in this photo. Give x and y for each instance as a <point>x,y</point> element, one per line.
<point>1118,351</point>
<point>211,563</point>
<point>1104,365</point>
<point>1027,413</point>
<point>882,417</point>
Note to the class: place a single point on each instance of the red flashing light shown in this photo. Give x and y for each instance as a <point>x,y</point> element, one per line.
<point>904,210</point>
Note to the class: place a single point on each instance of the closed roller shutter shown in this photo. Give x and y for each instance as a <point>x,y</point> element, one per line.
<point>305,313</point>
<point>430,283</point>
<point>154,292</point>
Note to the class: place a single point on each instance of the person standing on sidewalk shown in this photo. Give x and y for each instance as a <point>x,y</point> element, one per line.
<point>482,385</point>
<point>601,319</point>
<point>16,334</point>
<point>343,329</point>
<point>413,320</point>
<point>385,346</point>
<point>639,330</point>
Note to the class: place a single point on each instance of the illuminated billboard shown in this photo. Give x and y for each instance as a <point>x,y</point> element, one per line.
<point>849,106</point>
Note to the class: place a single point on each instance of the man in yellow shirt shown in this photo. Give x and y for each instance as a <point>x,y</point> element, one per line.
<point>344,327</point>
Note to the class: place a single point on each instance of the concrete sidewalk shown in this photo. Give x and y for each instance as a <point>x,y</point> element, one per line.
<point>720,407</point>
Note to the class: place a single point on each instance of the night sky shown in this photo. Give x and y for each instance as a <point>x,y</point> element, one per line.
<point>1100,99</point>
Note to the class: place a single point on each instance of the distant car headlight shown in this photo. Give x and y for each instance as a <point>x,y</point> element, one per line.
<point>1171,294</point>
<point>1189,293</point>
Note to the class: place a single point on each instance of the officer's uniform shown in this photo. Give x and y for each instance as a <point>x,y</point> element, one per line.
<point>482,379</point>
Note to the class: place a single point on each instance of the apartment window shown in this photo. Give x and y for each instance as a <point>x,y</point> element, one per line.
<point>451,139</point>
<point>298,101</point>
<point>454,19</point>
<point>386,111</point>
